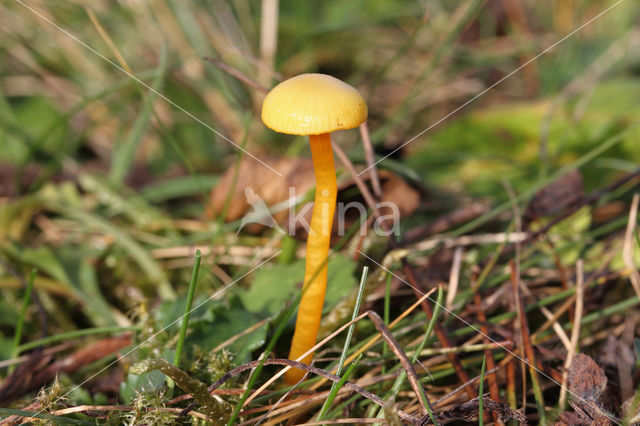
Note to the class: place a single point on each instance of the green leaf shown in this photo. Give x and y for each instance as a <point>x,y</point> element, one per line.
<point>471,150</point>
<point>145,382</point>
<point>340,280</point>
<point>229,321</point>
<point>566,232</point>
<point>170,312</point>
<point>274,286</point>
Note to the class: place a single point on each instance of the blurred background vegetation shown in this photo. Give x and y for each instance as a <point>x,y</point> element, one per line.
<point>105,178</point>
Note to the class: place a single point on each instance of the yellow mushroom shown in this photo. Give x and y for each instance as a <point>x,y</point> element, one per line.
<point>314,105</point>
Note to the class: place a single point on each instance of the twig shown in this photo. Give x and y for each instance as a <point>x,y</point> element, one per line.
<point>511,383</point>
<point>268,36</point>
<point>237,74</point>
<point>575,332</point>
<point>562,274</point>
<point>45,352</point>
<point>469,240</point>
<point>517,329</point>
<point>553,320</point>
<point>517,218</point>
<point>550,317</point>
<point>461,387</point>
<point>599,276</point>
<point>364,190</point>
<point>491,363</point>
<point>627,251</point>
<point>404,360</point>
<point>454,279</point>
<point>369,156</point>
<point>528,348</point>
<point>467,348</point>
<point>443,223</point>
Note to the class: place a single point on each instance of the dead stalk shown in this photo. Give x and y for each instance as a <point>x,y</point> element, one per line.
<point>575,332</point>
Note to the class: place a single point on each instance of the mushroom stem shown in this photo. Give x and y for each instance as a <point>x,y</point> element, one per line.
<point>318,241</point>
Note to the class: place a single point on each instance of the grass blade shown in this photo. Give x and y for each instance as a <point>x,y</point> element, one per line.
<point>72,335</point>
<point>184,186</point>
<point>25,303</point>
<point>124,153</point>
<point>335,386</point>
<point>481,392</point>
<point>187,309</point>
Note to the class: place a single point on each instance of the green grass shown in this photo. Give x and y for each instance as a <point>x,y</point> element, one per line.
<point>105,190</point>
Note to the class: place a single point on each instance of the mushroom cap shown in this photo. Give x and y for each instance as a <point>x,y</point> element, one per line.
<point>312,104</point>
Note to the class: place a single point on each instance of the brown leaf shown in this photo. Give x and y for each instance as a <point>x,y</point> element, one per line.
<point>37,371</point>
<point>587,381</point>
<point>586,378</point>
<point>601,421</point>
<point>297,173</point>
<point>616,355</point>
<point>555,197</point>
<point>609,211</point>
<point>469,411</point>
<point>23,378</point>
<point>571,418</point>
